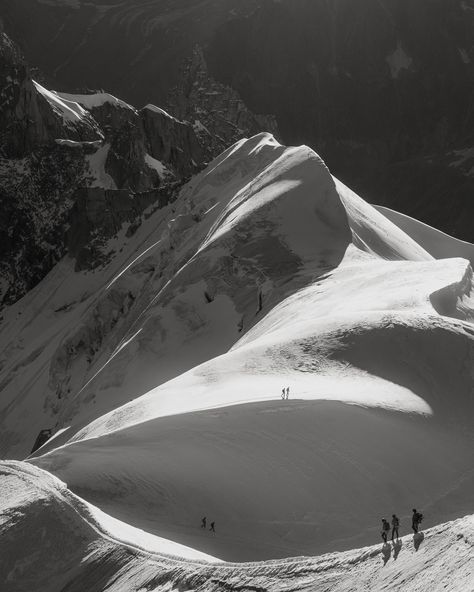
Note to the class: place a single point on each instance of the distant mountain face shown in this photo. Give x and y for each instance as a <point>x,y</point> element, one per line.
<point>134,48</point>
<point>75,168</point>
<point>382,89</point>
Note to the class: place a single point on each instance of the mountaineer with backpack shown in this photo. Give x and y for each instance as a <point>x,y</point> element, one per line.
<point>385,530</point>
<point>416,519</point>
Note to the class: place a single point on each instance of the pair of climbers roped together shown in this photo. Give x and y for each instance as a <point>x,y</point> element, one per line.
<point>285,392</point>
<point>204,524</point>
<point>386,528</point>
<point>415,523</point>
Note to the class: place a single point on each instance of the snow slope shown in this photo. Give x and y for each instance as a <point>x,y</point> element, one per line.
<point>75,552</point>
<point>439,244</point>
<point>172,262</point>
<point>164,368</point>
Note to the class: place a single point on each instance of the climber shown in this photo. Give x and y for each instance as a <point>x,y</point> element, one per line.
<point>416,519</point>
<point>395,525</point>
<point>385,529</point>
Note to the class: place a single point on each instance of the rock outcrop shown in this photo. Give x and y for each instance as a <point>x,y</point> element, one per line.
<point>29,116</point>
<point>172,141</point>
<point>74,169</point>
<point>99,214</point>
<point>216,110</point>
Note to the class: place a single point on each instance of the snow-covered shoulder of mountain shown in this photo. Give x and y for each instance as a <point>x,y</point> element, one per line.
<point>82,549</point>
<point>94,100</point>
<point>377,234</point>
<point>439,244</point>
<point>69,109</point>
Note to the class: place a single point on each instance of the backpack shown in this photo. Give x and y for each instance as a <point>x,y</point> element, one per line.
<point>419,517</point>
<point>386,525</point>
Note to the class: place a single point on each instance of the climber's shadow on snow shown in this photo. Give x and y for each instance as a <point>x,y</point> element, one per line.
<point>417,540</point>
<point>386,553</point>
<point>397,547</point>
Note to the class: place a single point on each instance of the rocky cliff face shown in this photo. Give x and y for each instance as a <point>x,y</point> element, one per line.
<point>27,118</point>
<point>216,110</point>
<point>74,169</point>
<point>161,47</point>
<point>173,141</point>
<point>134,48</point>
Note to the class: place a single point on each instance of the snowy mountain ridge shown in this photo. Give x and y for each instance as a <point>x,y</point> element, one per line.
<point>156,340</point>
<point>161,370</point>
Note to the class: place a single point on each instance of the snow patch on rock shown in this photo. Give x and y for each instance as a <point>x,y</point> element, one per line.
<point>398,60</point>
<point>94,100</point>
<point>158,166</point>
<point>159,110</point>
<point>96,163</point>
<point>70,111</point>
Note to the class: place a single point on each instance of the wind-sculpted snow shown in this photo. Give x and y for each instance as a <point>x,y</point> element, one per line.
<point>79,550</point>
<point>437,243</point>
<point>162,372</point>
<point>374,233</point>
<point>67,108</point>
<point>93,100</point>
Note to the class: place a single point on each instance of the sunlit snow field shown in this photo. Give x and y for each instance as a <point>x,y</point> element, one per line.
<point>266,273</point>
